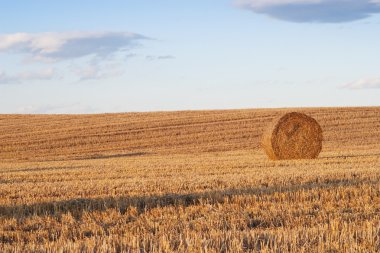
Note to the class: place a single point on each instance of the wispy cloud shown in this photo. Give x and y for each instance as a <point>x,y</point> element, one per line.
<point>160,57</point>
<point>324,11</point>
<point>61,46</point>
<point>364,83</point>
<point>96,70</point>
<point>45,74</point>
<point>165,57</point>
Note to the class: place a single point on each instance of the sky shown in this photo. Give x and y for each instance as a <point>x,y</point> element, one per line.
<point>97,56</point>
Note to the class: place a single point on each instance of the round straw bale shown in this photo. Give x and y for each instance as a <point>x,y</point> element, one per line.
<point>293,136</point>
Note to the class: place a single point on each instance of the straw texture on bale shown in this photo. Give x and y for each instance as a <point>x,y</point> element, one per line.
<point>293,136</point>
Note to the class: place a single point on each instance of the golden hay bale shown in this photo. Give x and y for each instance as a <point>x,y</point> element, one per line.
<point>293,136</point>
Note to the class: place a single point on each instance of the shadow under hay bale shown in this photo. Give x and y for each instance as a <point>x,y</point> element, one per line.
<point>293,136</point>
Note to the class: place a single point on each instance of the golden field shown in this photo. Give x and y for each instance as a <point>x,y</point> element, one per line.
<point>190,181</point>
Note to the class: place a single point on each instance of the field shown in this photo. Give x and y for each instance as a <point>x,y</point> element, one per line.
<point>193,181</point>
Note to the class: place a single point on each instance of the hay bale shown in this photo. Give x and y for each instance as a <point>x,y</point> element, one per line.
<point>293,136</point>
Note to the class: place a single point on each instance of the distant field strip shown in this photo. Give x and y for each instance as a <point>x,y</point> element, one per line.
<point>49,137</point>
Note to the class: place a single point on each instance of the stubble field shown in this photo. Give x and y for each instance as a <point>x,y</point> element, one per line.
<point>194,181</point>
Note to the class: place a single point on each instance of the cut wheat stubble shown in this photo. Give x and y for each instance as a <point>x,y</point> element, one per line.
<point>293,136</point>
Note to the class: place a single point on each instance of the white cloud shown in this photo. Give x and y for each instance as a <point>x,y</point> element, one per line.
<point>329,11</point>
<point>70,45</point>
<point>45,74</point>
<point>106,52</point>
<point>73,108</point>
<point>364,83</point>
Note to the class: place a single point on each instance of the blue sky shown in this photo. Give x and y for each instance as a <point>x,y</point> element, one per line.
<point>151,55</point>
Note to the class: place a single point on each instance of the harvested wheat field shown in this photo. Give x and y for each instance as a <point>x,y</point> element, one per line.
<point>194,181</point>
